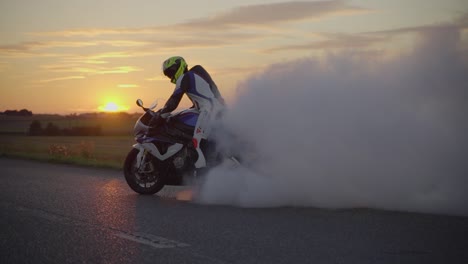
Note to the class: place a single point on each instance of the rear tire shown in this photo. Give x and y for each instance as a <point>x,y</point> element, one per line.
<point>147,183</point>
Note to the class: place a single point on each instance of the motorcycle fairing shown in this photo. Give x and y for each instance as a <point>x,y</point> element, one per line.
<point>189,117</point>
<point>181,125</point>
<point>159,138</point>
<point>153,150</point>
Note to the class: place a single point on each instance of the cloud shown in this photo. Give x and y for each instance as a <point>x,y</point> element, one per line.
<point>88,70</point>
<point>333,41</point>
<point>421,29</point>
<point>94,32</point>
<point>107,55</point>
<point>239,70</point>
<point>352,131</point>
<point>157,79</point>
<point>60,67</point>
<point>58,44</point>
<point>236,26</point>
<point>61,79</point>
<point>137,48</point>
<point>261,15</point>
<point>275,13</point>
<point>365,40</point>
<point>25,48</point>
<point>19,52</point>
<point>30,48</point>
<point>128,85</point>
<point>108,70</point>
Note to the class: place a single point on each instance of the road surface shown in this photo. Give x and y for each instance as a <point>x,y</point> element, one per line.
<point>66,214</point>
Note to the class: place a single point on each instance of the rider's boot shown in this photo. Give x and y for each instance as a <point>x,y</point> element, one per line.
<point>200,165</point>
<point>201,162</point>
<point>209,149</point>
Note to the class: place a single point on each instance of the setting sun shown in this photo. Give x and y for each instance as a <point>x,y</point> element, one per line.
<point>112,107</point>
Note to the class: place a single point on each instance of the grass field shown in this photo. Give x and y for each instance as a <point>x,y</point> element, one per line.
<point>103,151</point>
<point>111,124</point>
<point>108,150</point>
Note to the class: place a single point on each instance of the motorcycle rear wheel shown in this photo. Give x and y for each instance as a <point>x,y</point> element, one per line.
<point>143,183</point>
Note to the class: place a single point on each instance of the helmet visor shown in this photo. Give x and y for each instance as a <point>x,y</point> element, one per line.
<point>171,71</point>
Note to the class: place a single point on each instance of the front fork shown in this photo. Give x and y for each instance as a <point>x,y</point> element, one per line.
<point>140,159</point>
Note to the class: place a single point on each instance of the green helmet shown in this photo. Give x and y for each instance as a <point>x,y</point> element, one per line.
<point>174,67</point>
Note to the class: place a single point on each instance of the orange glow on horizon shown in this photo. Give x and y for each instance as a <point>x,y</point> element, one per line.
<point>112,107</point>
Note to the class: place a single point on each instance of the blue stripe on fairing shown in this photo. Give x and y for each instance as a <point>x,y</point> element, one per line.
<point>188,118</point>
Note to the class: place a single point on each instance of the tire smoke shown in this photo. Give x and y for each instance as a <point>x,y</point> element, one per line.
<point>352,130</point>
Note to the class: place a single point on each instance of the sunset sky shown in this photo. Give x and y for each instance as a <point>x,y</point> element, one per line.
<point>84,56</point>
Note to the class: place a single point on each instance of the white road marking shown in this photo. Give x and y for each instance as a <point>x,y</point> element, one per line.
<point>142,238</point>
<point>151,240</point>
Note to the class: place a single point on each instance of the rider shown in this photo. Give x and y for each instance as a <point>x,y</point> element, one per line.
<point>198,85</point>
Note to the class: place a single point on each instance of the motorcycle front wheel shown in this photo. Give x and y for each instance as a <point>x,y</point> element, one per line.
<point>148,179</point>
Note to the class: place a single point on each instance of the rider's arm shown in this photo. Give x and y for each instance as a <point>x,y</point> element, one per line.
<point>176,96</point>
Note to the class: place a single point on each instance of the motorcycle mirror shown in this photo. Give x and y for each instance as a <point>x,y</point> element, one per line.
<point>139,102</point>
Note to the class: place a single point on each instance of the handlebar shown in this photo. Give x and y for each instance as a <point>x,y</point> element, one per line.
<point>149,110</point>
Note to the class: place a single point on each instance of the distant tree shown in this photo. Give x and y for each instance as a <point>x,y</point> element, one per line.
<point>35,129</point>
<point>52,130</point>
<point>25,112</point>
<point>22,112</point>
<point>11,112</point>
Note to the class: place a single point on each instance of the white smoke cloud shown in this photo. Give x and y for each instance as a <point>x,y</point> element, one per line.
<point>351,130</point>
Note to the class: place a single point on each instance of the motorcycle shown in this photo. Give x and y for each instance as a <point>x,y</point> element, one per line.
<point>164,153</point>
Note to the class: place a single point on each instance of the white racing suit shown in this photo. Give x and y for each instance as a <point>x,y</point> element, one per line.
<point>204,94</point>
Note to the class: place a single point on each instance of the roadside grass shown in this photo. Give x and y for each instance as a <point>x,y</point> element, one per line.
<point>111,124</point>
<point>102,151</point>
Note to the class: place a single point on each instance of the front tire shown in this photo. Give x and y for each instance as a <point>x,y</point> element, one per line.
<point>149,179</point>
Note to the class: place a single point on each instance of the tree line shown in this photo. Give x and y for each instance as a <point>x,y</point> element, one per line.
<point>22,112</point>
<point>36,129</point>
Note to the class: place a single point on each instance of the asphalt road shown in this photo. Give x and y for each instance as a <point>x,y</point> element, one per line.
<point>66,214</point>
